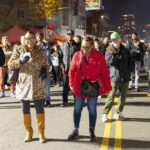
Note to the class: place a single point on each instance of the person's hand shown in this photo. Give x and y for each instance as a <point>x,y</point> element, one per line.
<point>71,88</point>
<point>24,60</point>
<point>50,69</point>
<point>62,69</point>
<point>66,70</point>
<point>43,73</point>
<point>136,44</point>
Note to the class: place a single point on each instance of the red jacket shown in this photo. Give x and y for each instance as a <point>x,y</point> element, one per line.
<point>96,69</point>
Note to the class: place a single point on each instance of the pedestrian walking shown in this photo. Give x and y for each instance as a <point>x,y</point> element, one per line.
<point>56,63</point>
<point>118,62</point>
<point>147,66</point>
<point>88,78</point>
<point>97,45</point>
<point>136,49</point>
<point>78,40</point>
<point>68,49</point>
<point>7,49</point>
<point>30,84</point>
<point>105,44</point>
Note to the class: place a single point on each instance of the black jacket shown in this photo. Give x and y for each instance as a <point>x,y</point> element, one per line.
<point>137,52</point>
<point>118,62</point>
<point>2,57</point>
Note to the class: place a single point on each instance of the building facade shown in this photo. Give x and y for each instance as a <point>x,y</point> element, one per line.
<point>127,23</point>
<point>74,16</point>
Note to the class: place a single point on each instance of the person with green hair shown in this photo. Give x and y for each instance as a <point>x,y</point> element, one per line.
<point>118,62</point>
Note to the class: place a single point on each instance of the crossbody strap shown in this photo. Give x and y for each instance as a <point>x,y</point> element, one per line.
<point>81,64</point>
<point>82,59</point>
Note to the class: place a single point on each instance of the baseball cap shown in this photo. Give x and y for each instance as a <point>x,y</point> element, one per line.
<point>115,35</point>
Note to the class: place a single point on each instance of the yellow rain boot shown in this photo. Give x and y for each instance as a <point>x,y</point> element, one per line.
<point>41,127</point>
<point>28,127</point>
<point>148,94</point>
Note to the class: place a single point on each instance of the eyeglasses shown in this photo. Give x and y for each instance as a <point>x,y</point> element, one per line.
<point>30,39</point>
<point>86,48</point>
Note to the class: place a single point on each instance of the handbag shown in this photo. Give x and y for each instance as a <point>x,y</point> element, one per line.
<point>13,75</point>
<point>88,88</point>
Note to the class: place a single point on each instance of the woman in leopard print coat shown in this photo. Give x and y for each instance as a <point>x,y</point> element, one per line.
<point>30,86</point>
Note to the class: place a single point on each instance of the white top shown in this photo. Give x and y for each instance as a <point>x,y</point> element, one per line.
<point>55,61</point>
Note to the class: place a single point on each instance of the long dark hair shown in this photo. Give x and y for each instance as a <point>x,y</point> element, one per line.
<point>31,33</point>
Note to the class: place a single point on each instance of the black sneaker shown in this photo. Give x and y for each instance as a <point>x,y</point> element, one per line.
<point>73,135</point>
<point>47,104</point>
<point>130,88</point>
<point>64,105</point>
<point>137,90</point>
<point>92,135</point>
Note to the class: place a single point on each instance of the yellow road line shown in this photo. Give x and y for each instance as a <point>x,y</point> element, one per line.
<point>118,133</point>
<point>106,135</point>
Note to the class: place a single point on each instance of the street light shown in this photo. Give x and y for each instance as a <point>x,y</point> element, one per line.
<point>102,17</point>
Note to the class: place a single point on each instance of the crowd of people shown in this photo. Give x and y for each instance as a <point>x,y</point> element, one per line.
<point>88,67</point>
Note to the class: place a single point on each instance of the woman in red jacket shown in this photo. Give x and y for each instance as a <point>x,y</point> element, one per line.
<point>87,64</point>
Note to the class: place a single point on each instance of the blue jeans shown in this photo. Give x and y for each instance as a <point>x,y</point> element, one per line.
<point>92,109</point>
<point>55,71</point>
<point>47,88</point>
<point>135,82</point>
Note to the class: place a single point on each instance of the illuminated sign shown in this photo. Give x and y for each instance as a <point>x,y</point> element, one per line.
<point>92,4</point>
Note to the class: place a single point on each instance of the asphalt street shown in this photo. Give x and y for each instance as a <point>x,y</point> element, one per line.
<point>132,133</point>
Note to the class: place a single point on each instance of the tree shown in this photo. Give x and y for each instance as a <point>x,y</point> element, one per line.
<point>45,8</point>
<point>39,9</point>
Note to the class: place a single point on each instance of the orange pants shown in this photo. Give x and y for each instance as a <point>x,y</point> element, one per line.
<point>3,71</point>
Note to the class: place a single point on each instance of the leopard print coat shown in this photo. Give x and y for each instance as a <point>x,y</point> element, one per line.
<point>29,86</point>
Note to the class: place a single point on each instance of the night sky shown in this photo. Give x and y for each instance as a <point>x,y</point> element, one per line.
<point>141,9</point>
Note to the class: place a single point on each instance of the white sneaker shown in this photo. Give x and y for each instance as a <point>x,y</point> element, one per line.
<point>99,97</point>
<point>6,87</point>
<point>118,116</point>
<point>2,94</point>
<point>121,116</point>
<point>104,118</point>
<point>12,95</point>
<point>57,85</point>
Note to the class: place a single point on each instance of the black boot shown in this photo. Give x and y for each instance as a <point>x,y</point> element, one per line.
<point>92,135</point>
<point>73,135</point>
